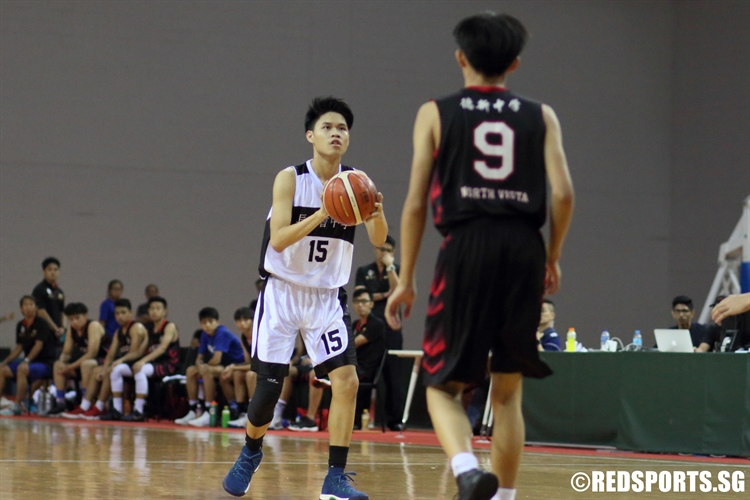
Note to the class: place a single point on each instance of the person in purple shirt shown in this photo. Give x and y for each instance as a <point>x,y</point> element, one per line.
<point>547,338</point>
<point>107,309</point>
<point>219,348</point>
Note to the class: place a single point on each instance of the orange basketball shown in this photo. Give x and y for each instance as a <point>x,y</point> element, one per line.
<point>350,197</point>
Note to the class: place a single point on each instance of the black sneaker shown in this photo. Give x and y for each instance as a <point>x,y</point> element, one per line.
<point>57,409</point>
<point>135,416</point>
<point>111,415</point>
<point>476,485</point>
<point>304,424</point>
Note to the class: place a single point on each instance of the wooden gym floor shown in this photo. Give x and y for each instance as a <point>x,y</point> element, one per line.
<point>54,459</point>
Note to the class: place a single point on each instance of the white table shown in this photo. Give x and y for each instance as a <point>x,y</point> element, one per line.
<point>417,355</point>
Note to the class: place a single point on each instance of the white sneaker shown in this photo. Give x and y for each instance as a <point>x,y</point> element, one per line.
<point>5,402</point>
<point>240,422</point>
<point>201,421</point>
<point>277,424</point>
<point>187,418</point>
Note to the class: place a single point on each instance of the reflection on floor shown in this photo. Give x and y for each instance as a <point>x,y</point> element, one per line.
<point>42,459</point>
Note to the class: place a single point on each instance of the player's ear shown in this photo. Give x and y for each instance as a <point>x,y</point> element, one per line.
<point>309,135</point>
<point>513,66</point>
<point>461,58</point>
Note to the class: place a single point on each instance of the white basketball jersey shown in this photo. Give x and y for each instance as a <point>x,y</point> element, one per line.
<point>323,258</point>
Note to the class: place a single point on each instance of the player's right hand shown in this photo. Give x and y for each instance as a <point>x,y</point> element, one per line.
<point>402,294</point>
<point>552,277</point>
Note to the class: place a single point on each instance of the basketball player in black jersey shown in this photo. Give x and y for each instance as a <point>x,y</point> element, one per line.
<point>480,158</point>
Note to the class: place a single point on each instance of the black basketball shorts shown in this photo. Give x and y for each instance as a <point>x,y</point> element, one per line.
<point>486,295</point>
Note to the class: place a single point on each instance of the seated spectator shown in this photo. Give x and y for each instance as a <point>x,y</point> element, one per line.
<point>107,309</point>
<point>244,378</point>
<point>35,340</point>
<point>81,353</point>
<point>219,348</point>
<point>683,312</point>
<point>141,314</point>
<point>547,338</point>
<point>128,345</point>
<point>162,358</point>
<point>50,299</point>
<point>370,341</point>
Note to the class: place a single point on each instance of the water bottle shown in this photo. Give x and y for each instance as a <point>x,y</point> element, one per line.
<point>605,340</point>
<point>365,419</point>
<point>225,417</point>
<point>638,340</point>
<point>212,413</point>
<point>570,342</point>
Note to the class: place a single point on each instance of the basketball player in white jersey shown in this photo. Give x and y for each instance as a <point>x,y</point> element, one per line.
<point>306,258</point>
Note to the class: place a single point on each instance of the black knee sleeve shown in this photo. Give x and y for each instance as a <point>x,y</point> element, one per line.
<point>267,393</point>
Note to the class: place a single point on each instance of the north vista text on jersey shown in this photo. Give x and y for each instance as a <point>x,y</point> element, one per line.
<point>485,193</point>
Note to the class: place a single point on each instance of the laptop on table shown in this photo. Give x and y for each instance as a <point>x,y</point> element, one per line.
<point>668,340</point>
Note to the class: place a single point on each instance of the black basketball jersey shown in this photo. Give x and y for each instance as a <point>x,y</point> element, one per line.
<point>123,338</point>
<point>81,341</point>
<point>490,160</point>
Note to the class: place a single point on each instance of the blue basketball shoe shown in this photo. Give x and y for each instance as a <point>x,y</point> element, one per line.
<point>237,480</point>
<point>337,486</point>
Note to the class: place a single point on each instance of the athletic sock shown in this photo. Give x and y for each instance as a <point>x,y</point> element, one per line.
<point>463,462</point>
<point>139,403</point>
<point>100,405</point>
<point>83,392</point>
<point>279,408</point>
<point>254,445</point>
<point>337,456</point>
<point>85,405</point>
<point>233,406</point>
<point>504,494</point>
<point>60,395</point>
<point>117,403</point>
<point>242,407</point>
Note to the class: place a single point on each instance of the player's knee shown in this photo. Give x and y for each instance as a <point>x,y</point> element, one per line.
<point>260,410</point>
<point>250,377</point>
<point>506,394</point>
<point>346,383</point>
<point>23,369</point>
<point>191,372</point>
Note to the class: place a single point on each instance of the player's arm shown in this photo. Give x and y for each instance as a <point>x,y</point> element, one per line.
<point>215,359</point>
<point>113,347</point>
<point>376,225</point>
<point>283,232</point>
<point>138,343</point>
<point>413,217</point>
<point>67,347</point>
<point>13,354</point>
<point>170,333</point>
<point>95,334</point>
<point>731,306</point>
<point>563,198</point>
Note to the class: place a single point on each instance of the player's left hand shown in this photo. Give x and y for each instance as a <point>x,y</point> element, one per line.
<point>378,212</point>
<point>402,294</point>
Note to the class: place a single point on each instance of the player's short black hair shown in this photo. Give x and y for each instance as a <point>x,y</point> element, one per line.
<point>149,286</point>
<point>547,301</point>
<point>391,240</point>
<point>76,308</point>
<point>25,297</point>
<point>50,260</point>
<point>322,105</point>
<point>490,42</point>
<point>113,283</point>
<point>123,303</point>
<point>244,313</point>
<point>157,299</point>
<point>208,313</point>
<point>684,300</point>
<point>361,291</point>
